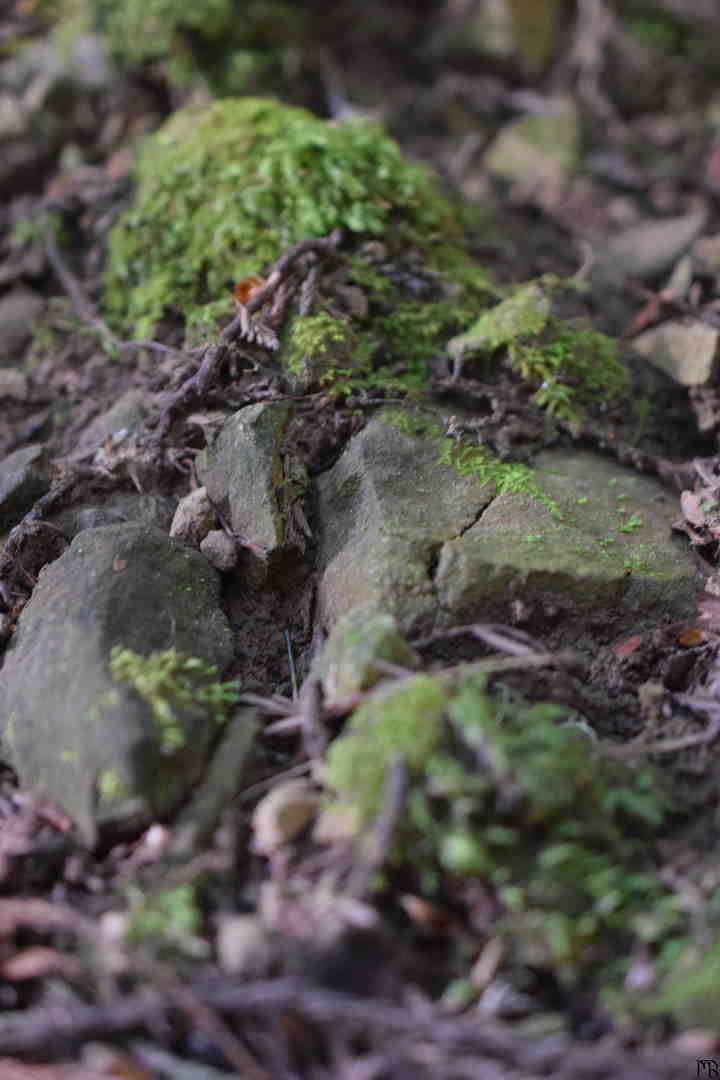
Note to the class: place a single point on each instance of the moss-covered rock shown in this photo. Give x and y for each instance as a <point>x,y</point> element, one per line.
<point>223,190</point>
<point>520,796</point>
<point>572,367</point>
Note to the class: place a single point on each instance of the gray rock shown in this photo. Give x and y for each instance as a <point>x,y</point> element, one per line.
<point>608,551</point>
<point>645,250</point>
<point>240,468</point>
<point>116,508</point>
<point>360,641</point>
<point>220,550</point>
<point>250,479</point>
<point>441,548</point>
<point>13,383</point>
<point>88,742</point>
<point>13,121</point>
<point>386,507</point>
<point>684,348</point>
<point>117,422</point>
<point>193,518</point>
<point>539,150</point>
<point>24,478</point>
<point>19,311</point>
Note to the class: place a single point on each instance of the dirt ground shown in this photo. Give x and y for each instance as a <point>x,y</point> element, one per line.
<point>645,81</point>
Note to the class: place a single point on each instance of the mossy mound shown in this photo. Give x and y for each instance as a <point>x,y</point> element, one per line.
<point>224,189</point>
<point>518,796</point>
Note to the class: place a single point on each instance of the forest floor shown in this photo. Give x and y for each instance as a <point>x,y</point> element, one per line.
<point>420,983</point>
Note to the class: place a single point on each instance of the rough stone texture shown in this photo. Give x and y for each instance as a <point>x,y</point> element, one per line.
<point>13,383</point>
<point>439,549</point>
<point>123,417</point>
<point>241,469</point>
<point>19,310</point>
<point>385,508</point>
<point>220,550</point>
<point>686,349</point>
<point>259,489</point>
<point>24,478</point>
<point>117,507</point>
<point>193,518</point>
<point>611,549</point>
<point>65,722</point>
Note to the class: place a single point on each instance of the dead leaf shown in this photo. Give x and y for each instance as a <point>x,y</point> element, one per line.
<point>245,290</point>
<point>693,635</point>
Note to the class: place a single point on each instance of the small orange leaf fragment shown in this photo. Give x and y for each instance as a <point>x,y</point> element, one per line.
<point>693,635</point>
<point>244,290</point>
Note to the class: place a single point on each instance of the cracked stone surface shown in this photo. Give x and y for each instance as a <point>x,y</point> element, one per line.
<point>386,508</point>
<point>609,550</point>
<point>405,535</point>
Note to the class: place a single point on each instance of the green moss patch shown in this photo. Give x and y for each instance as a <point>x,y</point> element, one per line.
<point>519,796</point>
<point>572,367</point>
<point>176,688</point>
<point>222,190</point>
<point>229,48</point>
<point>469,459</point>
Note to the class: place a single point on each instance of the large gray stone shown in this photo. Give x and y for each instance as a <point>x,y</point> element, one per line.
<point>115,508</point>
<point>608,550</point>
<point>402,534</point>
<point>66,725</point>
<point>241,469</point>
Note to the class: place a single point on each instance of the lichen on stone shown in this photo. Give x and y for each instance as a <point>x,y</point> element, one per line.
<point>174,686</point>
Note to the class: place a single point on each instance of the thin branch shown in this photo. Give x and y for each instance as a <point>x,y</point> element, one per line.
<point>374,851</point>
<point>50,1027</point>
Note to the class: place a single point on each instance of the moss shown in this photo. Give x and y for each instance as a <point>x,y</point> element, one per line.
<point>690,991</point>
<point>521,796</point>
<point>572,368</point>
<point>222,190</point>
<point>319,344</point>
<point>112,787</point>
<point>172,683</point>
<point>168,919</point>
<point>469,459</point>
<point>208,39</point>
<point>657,31</point>
<point>404,721</point>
